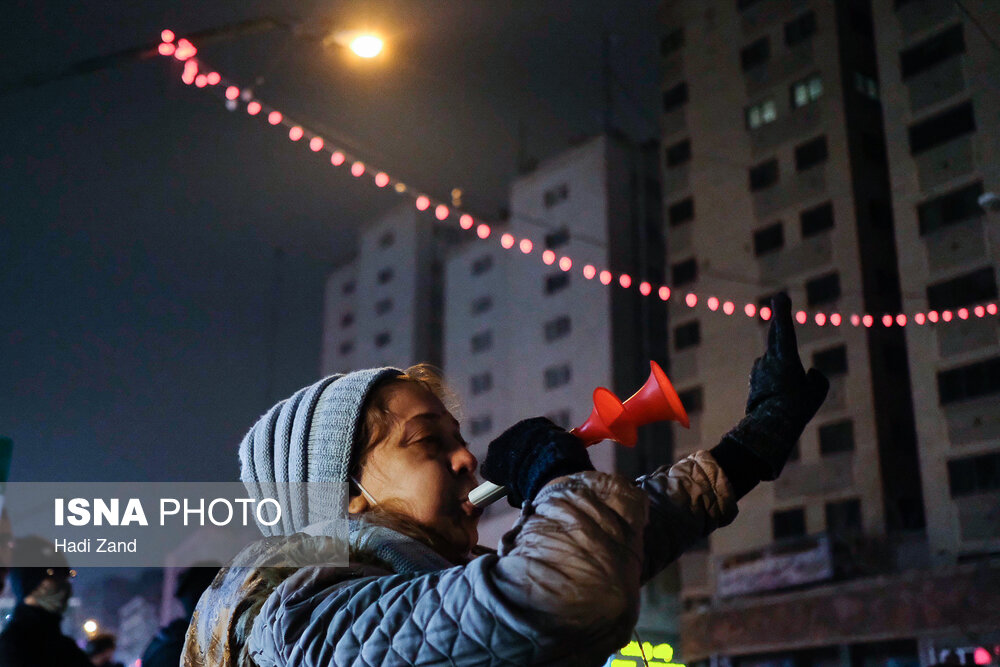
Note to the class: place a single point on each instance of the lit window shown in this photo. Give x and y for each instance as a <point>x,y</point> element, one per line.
<point>866,85</point>
<point>806,91</point>
<point>761,113</point>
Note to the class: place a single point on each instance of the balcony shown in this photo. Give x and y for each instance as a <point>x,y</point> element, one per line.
<point>936,85</point>
<point>946,162</point>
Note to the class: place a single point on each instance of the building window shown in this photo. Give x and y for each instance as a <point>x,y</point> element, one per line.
<point>553,196</point>
<point>386,240</point>
<point>811,153</point>
<point>762,113</point>
<point>481,383</point>
<point>679,153</point>
<point>346,348</point>
<point>557,376</point>
<point>557,328</point>
<point>383,306</point>
<point>671,42</point>
<point>382,339</point>
<point>955,206</point>
<point>687,335</point>
<point>801,28</point>
<point>764,175</point>
<point>866,85</point>
<point>681,212</point>
<point>684,272</point>
<point>806,91</point>
<point>558,238</point>
<point>346,320</point>
<point>755,54</point>
<point>675,97</point>
<point>480,425</point>
<point>832,361</point>
<point>788,524</point>
<point>836,437</point>
<point>932,51</point>
<point>482,264</point>
<point>348,287</point>
<point>482,305</point>
<point>974,474</point>
<point>971,381</point>
<point>974,287</point>
<point>560,418</point>
<point>942,128</point>
<point>481,342</point>
<point>385,275</point>
<point>817,219</point>
<point>844,517</point>
<point>692,400</point>
<point>769,239</point>
<point>823,289</point>
<point>556,282</point>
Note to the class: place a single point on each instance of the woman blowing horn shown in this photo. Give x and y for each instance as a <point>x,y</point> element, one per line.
<point>563,588</point>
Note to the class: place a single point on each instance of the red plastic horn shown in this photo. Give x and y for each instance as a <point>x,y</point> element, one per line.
<point>656,401</point>
<point>608,413</point>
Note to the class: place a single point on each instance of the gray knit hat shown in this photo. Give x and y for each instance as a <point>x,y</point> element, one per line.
<point>307,438</point>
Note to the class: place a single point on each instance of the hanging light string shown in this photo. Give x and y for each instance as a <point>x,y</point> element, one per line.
<point>197,74</point>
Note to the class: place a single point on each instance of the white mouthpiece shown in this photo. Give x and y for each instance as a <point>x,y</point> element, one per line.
<point>486,494</point>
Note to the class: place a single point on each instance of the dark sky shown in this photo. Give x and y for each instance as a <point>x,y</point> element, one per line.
<point>140,218</point>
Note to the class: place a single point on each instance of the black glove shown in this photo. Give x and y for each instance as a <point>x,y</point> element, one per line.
<point>782,400</point>
<point>531,453</point>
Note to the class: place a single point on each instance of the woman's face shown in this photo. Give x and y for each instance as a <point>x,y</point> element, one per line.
<point>426,468</point>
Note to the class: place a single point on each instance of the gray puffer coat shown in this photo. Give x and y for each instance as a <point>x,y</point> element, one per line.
<point>562,590</point>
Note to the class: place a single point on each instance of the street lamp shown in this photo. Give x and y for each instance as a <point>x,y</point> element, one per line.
<point>90,626</point>
<point>364,45</point>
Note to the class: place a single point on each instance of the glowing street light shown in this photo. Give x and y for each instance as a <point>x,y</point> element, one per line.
<point>364,45</point>
<point>90,626</point>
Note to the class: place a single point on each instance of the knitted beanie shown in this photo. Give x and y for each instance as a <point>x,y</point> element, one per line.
<point>308,438</point>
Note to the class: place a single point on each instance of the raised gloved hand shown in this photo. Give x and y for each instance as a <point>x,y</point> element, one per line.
<point>782,400</point>
<point>531,453</point>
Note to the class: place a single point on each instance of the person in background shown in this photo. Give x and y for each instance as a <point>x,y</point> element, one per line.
<point>33,638</point>
<point>165,648</point>
<point>101,650</point>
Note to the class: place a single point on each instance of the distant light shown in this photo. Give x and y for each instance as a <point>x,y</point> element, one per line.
<point>946,316</point>
<point>507,241</point>
<point>981,656</point>
<point>605,277</point>
<point>423,203</point>
<point>868,321</point>
<point>991,308</point>
<point>820,319</point>
<point>855,320</point>
<point>548,257</point>
<point>274,117</point>
<point>963,313</point>
<point>901,320</point>
<point>295,133</point>
<point>565,263</point>
<point>90,626</point>
<point>765,313</point>
<point>712,303</point>
<point>589,272</point>
<point>201,81</point>
<point>367,46</point>
<point>185,50</point>
<point>800,317</point>
<point>382,180</point>
<point>400,187</point>
<point>167,35</point>
<point>645,288</point>
<point>919,318</point>
<point>441,212</point>
<point>232,92</point>
<point>358,169</point>
<point>214,78</point>
<point>465,221</point>
<point>664,293</point>
<point>166,49</point>
<point>887,320</point>
<point>316,144</point>
<point>483,231</point>
<point>691,300</point>
<point>729,308</point>
<point>625,280</point>
<point>980,311</point>
<point>835,319</point>
<point>253,108</point>
<point>750,310</point>
<point>337,158</point>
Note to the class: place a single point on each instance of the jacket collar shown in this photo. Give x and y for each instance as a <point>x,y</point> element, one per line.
<point>403,554</point>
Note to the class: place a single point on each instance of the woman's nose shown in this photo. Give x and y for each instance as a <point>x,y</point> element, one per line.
<point>464,461</point>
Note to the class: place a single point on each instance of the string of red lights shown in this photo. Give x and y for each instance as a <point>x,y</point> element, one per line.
<point>184,51</point>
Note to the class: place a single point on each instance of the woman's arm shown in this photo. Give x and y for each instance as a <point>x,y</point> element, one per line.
<point>564,589</point>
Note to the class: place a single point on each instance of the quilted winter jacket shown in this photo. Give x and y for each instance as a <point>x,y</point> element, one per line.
<point>563,589</point>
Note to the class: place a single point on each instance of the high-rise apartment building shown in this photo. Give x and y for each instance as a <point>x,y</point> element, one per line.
<point>776,119</point>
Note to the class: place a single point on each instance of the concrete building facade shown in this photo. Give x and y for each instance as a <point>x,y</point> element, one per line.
<point>776,119</point>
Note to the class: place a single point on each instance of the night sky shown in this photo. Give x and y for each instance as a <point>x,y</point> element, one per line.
<point>140,219</point>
